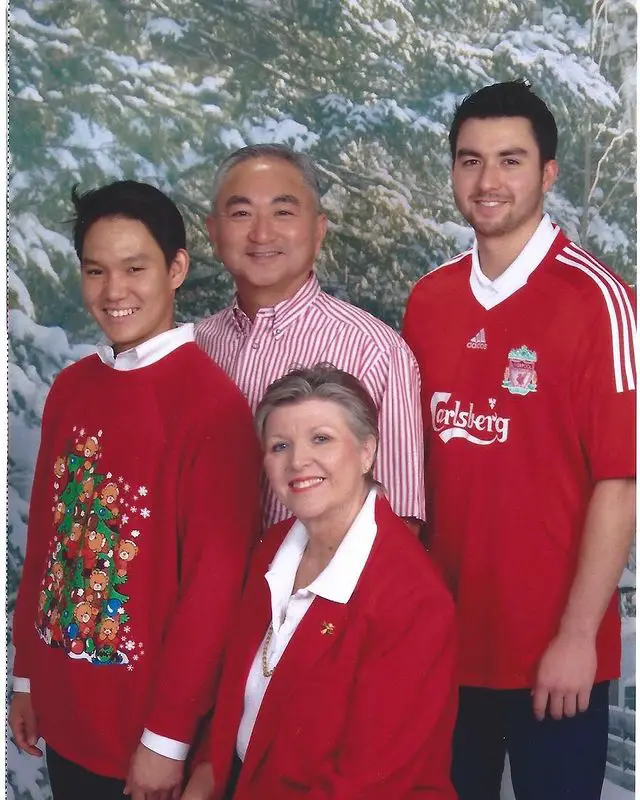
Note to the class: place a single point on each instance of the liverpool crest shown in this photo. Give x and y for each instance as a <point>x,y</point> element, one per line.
<point>520,375</point>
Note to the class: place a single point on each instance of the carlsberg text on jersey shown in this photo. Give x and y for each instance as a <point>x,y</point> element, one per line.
<point>450,422</point>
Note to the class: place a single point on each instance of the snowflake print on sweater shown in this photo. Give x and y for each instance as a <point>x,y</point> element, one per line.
<point>83,601</point>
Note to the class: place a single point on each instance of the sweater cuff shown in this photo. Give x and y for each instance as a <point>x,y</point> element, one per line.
<point>170,748</point>
<point>21,685</point>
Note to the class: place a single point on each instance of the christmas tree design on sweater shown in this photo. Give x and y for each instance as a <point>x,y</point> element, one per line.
<point>82,606</point>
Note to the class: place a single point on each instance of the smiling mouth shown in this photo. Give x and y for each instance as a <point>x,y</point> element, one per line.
<point>118,313</point>
<point>307,483</point>
<point>265,254</point>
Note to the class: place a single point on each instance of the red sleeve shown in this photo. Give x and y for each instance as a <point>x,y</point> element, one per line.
<point>39,532</point>
<point>604,387</point>
<point>410,666</point>
<point>219,522</point>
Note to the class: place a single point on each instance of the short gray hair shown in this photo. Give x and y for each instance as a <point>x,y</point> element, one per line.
<point>324,382</point>
<point>300,161</point>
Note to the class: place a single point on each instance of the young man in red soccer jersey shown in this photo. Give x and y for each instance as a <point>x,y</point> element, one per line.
<point>144,506</point>
<point>525,346</point>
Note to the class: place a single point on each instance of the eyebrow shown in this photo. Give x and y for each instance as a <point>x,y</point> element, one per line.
<point>136,257</point>
<point>241,200</point>
<point>509,151</point>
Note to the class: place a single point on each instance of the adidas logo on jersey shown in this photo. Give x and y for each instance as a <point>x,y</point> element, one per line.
<point>479,341</point>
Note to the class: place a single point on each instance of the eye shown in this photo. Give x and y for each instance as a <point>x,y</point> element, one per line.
<point>91,271</point>
<point>511,162</point>
<point>277,447</point>
<point>321,438</point>
<point>470,162</point>
<point>239,213</point>
<point>284,212</point>
<point>135,269</point>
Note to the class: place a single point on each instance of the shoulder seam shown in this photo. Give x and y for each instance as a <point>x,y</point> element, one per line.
<point>451,262</point>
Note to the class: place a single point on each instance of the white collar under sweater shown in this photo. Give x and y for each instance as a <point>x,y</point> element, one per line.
<point>148,352</point>
<point>490,293</point>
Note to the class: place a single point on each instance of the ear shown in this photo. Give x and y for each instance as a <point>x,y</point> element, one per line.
<point>549,174</point>
<point>178,269</point>
<point>321,232</point>
<point>369,448</point>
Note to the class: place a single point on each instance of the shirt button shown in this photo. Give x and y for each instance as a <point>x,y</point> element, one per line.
<point>254,345</point>
<point>278,331</point>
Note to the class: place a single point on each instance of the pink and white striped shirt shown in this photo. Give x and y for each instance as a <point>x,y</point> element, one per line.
<point>313,327</point>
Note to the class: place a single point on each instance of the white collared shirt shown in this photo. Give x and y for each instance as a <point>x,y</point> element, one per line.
<point>490,293</point>
<point>147,353</point>
<point>336,582</point>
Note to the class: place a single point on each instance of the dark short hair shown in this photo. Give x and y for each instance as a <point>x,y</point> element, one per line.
<point>131,200</point>
<point>324,382</point>
<point>509,99</point>
<point>300,161</point>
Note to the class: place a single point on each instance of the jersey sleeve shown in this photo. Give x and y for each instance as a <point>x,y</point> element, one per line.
<point>605,382</point>
<point>395,383</point>
<point>219,522</point>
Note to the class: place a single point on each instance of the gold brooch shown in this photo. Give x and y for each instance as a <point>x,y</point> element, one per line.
<point>327,628</point>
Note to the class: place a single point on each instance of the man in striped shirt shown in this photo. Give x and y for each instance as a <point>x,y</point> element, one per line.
<point>525,346</point>
<point>267,227</point>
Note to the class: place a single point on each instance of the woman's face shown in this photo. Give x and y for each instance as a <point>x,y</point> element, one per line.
<point>315,464</point>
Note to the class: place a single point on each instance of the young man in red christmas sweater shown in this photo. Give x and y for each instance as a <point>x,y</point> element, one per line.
<point>144,506</point>
<point>525,345</point>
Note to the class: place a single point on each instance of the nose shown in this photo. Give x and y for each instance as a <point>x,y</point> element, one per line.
<point>489,177</point>
<point>115,287</point>
<point>300,456</point>
<point>261,229</point>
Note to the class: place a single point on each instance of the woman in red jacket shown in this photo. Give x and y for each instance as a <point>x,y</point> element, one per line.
<point>339,676</point>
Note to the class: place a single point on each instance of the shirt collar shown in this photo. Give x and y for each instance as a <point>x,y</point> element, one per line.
<point>147,353</point>
<point>490,293</point>
<point>283,313</point>
<point>338,579</point>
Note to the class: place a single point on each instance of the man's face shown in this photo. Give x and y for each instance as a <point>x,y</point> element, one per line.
<point>498,180</point>
<point>126,285</point>
<point>266,229</point>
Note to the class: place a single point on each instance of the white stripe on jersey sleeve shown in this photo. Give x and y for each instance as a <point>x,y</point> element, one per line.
<point>622,297</point>
<point>611,290</point>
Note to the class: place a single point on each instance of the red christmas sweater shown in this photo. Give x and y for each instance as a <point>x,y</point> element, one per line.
<point>525,406</point>
<point>144,507</point>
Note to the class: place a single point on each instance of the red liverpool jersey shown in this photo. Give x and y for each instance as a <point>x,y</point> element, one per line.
<point>526,405</point>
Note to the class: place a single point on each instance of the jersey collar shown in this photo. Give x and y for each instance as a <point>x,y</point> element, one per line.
<point>490,293</point>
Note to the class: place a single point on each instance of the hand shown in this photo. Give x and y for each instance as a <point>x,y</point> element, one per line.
<point>201,784</point>
<point>23,723</point>
<point>153,777</point>
<point>565,676</point>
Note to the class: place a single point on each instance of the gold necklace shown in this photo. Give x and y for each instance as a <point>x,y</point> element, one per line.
<point>265,650</point>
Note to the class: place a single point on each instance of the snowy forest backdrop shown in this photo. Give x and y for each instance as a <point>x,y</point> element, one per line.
<point>162,90</point>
